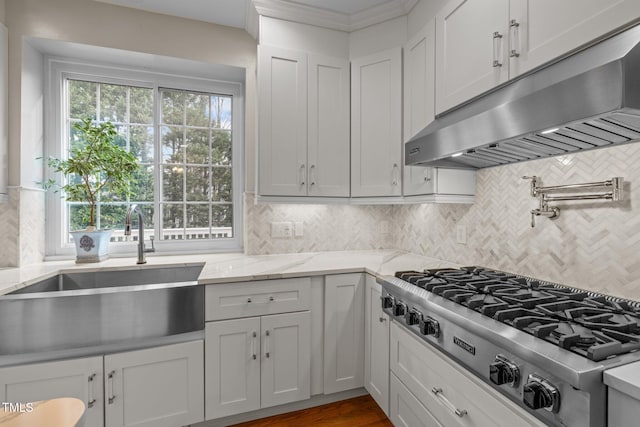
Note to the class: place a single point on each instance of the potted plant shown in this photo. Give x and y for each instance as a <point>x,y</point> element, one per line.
<point>95,166</point>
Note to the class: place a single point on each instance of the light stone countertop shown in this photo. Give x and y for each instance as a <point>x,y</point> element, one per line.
<point>237,267</point>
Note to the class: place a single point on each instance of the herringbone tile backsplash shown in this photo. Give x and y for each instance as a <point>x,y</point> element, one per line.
<point>592,245</point>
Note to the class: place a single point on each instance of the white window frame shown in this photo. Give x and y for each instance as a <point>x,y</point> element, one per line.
<point>60,69</point>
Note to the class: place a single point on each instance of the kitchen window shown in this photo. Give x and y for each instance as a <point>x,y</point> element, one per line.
<point>186,135</point>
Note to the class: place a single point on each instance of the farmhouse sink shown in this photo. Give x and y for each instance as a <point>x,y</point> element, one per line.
<point>86,309</point>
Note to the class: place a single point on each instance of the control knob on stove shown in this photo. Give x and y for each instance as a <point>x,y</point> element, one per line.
<point>387,301</point>
<point>429,326</point>
<point>399,308</point>
<point>503,371</point>
<point>538,393</point>
<point>412,317</point>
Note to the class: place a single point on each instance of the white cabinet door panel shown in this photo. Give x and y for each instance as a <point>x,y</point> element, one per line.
<point>282,122</point>
<point>286,358</point>
<point>376,361</point>
<point>156,387</point>
<point>328,144</point>
<point>232,373</point>
<point>376,124</point>
<point>406,410</point>
<point>549,29</point>
<point>466,49</point>
<point>344,332</point>
<point>79,378</point>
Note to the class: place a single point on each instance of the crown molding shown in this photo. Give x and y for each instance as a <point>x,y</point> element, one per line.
<point>252,21</point>
<point>289,11</point>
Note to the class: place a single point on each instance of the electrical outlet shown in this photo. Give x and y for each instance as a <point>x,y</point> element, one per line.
<point>461,234</point>
<point>282,229</point>
<point>299,229</point>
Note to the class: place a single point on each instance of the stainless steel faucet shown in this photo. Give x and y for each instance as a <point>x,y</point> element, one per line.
<point>127,232</point>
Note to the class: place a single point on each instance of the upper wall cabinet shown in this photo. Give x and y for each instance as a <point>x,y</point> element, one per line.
<point>376,124</point>
<point>541,30</point>
<point>303,124</point>
<point>483,43</point>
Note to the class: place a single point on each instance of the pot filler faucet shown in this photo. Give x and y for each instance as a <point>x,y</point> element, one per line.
<point>127,232</point>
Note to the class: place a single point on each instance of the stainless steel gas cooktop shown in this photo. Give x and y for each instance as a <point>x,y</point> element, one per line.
<point>542,344</point>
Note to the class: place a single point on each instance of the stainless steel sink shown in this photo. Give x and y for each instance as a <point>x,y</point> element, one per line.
<point>86,309</point>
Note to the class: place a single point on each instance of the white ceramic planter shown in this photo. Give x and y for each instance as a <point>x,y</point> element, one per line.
<point>91,246</point>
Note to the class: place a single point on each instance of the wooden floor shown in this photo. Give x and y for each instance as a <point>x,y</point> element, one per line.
<point>358,412</point>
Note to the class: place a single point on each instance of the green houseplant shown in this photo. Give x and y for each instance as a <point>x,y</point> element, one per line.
<point>95,166</point>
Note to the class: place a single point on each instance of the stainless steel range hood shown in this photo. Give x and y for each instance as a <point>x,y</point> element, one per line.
<point>588,100</point>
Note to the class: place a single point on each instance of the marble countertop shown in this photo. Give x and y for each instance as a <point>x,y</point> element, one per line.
<point>237,267</point>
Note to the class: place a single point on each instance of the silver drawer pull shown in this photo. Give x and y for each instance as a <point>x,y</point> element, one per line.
<point>112,396</point>
<point>440,394</point>
<point>91,399</point>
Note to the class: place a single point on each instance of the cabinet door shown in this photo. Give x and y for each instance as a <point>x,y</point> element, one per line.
<point>419,81</point>
<point>343,332</point>
<point>282,115</point>
<point>548,29</point>
<point>406,410</point>
<point>80,378</point>
<point>156,387</point>
<point>232,367</point>
<point>328,148</point>
<point>4,109</point>
<point>470,57</point>
<point>419,180</point>
<point>376,124</point>
<point>286,358</point>
<point>459,387</point>
<point>376,346</point>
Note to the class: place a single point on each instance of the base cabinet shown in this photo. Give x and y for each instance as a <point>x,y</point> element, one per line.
<point>79,378</point>
<point>407,411</point>
<point>257,362</point>
<point>156,387</point>
<point>343,332</point>
<point>376,346</point>
<point>422,370</point>
<point>160,387</point>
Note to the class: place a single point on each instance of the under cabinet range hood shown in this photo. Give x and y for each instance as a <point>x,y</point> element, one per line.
<point>588,100</point>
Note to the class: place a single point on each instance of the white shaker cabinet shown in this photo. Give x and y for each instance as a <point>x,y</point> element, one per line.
<point>376,345</point>
<point>344,332</point>
<point>303,124</point>
<point>541,30</point>
<point>420,180</point>
<point>4,109</point>
<point>257,362</point>
<point>407,411</point>
<point>483,43</point>
<point>155,387</point>
<point>376,124</point>
<point>79,378</point>
<point>471,49</point>
<point>282,115</point>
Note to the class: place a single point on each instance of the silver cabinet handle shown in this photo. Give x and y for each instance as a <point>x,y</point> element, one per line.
<point>91,400</point>
<point>395,174</point>
<point>248,300</point>
<point>253,346</point>
<point>112,396</point>
<point>302,174</point>
<point>427,175</point>
<point>497,39</point>
<point>266,345</point>
<point>312,174</point>
<point>440,394</point>
<point>514,34</point>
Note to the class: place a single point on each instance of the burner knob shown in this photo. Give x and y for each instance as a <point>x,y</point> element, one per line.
<point>539,393</point>
<point>429,326</point>
<point>412,317</point>
<point>399,308</point>
<point>502,371</point>
<point>387,301</point>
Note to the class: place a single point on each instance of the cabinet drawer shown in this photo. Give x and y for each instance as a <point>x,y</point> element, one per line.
<point>406,410</point>
<point>423,369</point>
<point>232,300</point>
